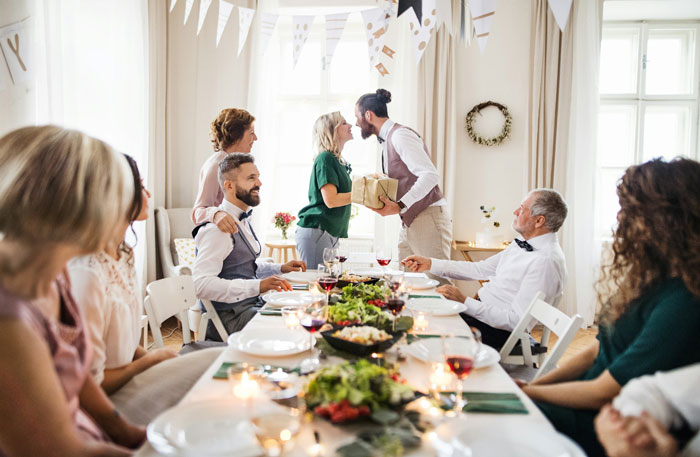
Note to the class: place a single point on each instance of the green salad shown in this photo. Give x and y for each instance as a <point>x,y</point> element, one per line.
<point>364,292</point>
<point>358,383</point>
<point>354,310</point>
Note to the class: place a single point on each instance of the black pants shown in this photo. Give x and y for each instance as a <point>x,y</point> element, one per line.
<point>494,337</point>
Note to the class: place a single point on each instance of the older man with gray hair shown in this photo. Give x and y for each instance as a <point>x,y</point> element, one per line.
<point>531,264</point>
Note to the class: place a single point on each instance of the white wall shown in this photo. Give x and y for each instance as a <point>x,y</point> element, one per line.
<point>495,175</point>
<point>17,107</point>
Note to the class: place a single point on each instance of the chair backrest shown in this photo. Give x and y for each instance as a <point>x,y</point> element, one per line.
<point>171,224</point>
<point>553,320</point>
<point>166,298</point>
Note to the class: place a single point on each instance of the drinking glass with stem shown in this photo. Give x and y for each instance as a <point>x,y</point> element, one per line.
<point>460,353</point>
<point>326,280</point>
<point>383,257</point>
<point>342,256</point>
<point>313,316</point>
<point>330,259</point>
<point>397,298</point>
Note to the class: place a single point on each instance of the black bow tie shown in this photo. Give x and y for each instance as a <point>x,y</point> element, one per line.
<point>380,139</point>
<point>245,214</point>
<point>524,245</point>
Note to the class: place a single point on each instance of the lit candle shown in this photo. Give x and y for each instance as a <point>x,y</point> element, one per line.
<point>440,377</point>
<point>246,388</point>
<point>420,322</point>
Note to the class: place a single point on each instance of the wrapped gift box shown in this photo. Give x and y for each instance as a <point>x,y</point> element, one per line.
<point>366,190</point>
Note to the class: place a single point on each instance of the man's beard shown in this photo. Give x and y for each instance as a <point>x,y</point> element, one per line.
<point>366,129</point>
<point>247,197</point>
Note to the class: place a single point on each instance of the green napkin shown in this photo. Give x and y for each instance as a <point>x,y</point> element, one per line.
<point>300,286</point>
<point>487,402</point>
<point>424,296</point>
<point>410,338</point>
<point>270,312</point>
<point>221,373</point>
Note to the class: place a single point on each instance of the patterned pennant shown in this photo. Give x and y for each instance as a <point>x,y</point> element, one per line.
<point>482,12</point>
<point>422,33</point>
<point>335,24</point>
<point>376,24</point>
<point>301,26</point>
<point>388,51</point>
<point>188,9</point>
<point>444,14</point>
<point>267,27</point>
<point>416,5</point>
<point>561,10</point>
<point>172,5</point>
<point>225,9</point>
<point>16,46</point>
<point>382,69</point>
<point>203,9</point>
<point>245,18</point>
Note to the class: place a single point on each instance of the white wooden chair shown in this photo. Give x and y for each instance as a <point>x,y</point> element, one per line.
<point>174,296</point>
<point>563,326</point>
<point>210,314</point>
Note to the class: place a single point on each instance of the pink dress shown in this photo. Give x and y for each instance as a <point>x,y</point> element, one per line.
<point>68,344</point>
<point>209,195</point>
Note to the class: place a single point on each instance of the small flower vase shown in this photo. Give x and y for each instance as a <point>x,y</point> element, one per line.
<point>284,233</point>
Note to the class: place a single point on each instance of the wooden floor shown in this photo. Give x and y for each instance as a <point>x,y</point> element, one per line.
<point>172,338</point>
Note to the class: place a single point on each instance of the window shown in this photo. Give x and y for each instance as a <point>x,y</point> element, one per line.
<point>302,94</point>
<point>648,103</point>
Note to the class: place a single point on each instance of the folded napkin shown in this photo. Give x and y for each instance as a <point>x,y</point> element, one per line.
<point>487,402</point>
<point>300,286</point>
<point>424,296</point>
<point>222,372</point>
<point>270,312</point>
<point>410,338</point>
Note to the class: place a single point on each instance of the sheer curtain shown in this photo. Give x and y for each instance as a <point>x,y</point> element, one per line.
<point>92,64</point>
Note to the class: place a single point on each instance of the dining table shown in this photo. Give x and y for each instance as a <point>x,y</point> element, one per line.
<point>492,378</point>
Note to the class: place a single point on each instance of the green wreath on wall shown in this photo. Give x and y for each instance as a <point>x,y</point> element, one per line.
<point>493,141</point>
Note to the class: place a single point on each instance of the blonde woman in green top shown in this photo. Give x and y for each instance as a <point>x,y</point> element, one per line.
<point>326,218</point>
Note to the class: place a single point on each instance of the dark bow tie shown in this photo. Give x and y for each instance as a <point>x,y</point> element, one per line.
<point>524,245</point>
<point>245,214</point>
<point>380,139</point>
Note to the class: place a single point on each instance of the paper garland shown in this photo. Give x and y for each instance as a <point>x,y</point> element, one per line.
<point>444,14</point>
<point>335,24</point>
<point>203,8</point>
<point>245,18</point>
<point>225,9</point>
<point>188,9</point>
<point>482,12</point>
<point>14,41</point>
<point>267,27</point>
<point>415,5</point>
<point>560,10</point>
<point>421,33</point>
<point>376,24</point>
<point>301,26</point>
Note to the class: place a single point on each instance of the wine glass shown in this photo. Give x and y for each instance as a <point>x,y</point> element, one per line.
<point>275,426</point>
<point>459,353</point>
<point>325,279</point>
<point>342,256</point>
<point>396,281</point>
<point>395,304</point>
<point>313,317</point>
<point>383,259</point>
<point>330,259</point>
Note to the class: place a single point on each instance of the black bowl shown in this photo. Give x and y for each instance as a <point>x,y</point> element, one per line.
<point>343,283</point>
<point>358,349</point>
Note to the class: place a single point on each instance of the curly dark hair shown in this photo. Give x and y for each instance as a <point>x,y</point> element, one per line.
<point>657,236</point>
<point>229,127</point>
<point>375,102</point>
<point>135,206</point>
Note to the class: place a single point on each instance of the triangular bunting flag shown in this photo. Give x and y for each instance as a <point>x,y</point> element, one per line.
<point>482,12</point>
<point>203,8</point>
<point>376,24</point>
<point>405,5</point>
<point>245,18</point>
<point>267,27</point>
<point>335,23</point>
<point>224,13</point>
<point>172,5</point>
<point>301,26</point>
<point>188,9</point>
<point>561,10</point>
<point>422,33</point>
<point>444,14</point>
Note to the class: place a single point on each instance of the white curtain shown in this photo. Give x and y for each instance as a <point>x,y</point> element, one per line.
<point>93,75</point>
<point>582,257</point>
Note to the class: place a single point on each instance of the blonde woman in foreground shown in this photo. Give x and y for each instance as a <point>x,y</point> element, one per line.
<point>62,194</point>
<point>327,216</point>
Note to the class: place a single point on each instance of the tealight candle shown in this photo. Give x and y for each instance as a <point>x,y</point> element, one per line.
<point>420,322</point>
<point>246,388</point>
<point>290,314</point>
<point>440,377</point>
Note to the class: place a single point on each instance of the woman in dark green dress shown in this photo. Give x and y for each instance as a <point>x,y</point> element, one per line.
<point>326,218</point>
<point>649,295</point>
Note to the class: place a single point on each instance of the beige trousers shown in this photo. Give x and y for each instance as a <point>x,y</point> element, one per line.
<point>430,235</point>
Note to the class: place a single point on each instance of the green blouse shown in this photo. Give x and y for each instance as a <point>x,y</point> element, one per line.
<point>659,332</point>
<point>327,169</point>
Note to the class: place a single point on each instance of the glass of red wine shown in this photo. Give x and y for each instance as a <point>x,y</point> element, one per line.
<point>383,259</point>
<point>325,279</point>
<point>395,304</point>
<point>460,353</point>
<point>313,317</point>
<point>342,257</point>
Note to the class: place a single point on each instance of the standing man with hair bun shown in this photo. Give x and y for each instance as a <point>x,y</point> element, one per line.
<point>426,223</point>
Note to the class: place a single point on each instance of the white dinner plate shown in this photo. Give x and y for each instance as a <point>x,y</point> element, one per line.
<point>282,299</point>
<point>374,272</point>
<point>436,306</point>
<point>467,438</point>
<point>213,428</point>
<point>300,277</point>
<point>270,342</point>
<point>420,283</point>
<point>430,350</point>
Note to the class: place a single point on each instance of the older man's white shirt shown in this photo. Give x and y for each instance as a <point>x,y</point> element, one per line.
<point>514,277</point>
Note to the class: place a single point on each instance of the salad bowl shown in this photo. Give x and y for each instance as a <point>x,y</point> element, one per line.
<point>359,348</point>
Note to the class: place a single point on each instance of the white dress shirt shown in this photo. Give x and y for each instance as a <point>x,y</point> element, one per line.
<point>409,147</point>
<point>213,246</point>
<point>514,277</point>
